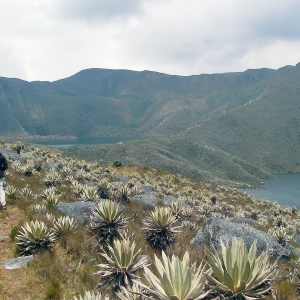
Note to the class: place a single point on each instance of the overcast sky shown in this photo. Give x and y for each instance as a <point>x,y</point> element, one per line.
<point>54,39</point>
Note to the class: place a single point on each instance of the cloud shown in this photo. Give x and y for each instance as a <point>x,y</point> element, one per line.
<point>95,10</point>
<point>53,39</point>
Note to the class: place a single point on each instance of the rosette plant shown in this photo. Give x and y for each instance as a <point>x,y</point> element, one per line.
<point>35,236</point>
<point>91,296</point>
<point>160,228</point>
<point>175,279</point>
<point>239,274</point>
<point>107,220</point>
<point>122,262</point>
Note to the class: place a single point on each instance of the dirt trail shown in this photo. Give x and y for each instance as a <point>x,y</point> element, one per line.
<point>14,284</point>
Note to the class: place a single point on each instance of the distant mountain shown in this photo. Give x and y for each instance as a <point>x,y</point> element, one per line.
<point>253,115</point>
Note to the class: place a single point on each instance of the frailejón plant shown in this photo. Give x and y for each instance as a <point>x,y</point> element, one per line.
<point>35,236</point>
<point>122,262</point>
<point>176,279</point>
<point>239,274</point>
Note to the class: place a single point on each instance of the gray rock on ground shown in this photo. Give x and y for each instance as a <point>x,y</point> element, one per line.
<point>169,199</point>
<point>216,229</point>
<point>145,199</point>
<point>244,220</point>
<point>18,262</point>
<point>79,210</point>
<point>121,178</point>
<point>50,165</point>
<point>149,190</point>
<point>12,155</point>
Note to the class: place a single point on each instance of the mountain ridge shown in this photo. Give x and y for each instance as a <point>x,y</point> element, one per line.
<point>253,116</point>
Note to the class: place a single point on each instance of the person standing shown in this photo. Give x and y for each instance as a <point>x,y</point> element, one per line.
<point>3,167</point>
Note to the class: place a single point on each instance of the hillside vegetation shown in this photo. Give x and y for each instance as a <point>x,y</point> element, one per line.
<point>250,118</point>
<point>73,259</point>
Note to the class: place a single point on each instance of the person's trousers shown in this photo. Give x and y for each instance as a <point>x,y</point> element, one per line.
<point>2,194</point>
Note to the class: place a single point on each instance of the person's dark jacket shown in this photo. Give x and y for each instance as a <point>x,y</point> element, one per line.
<point>3,165</point>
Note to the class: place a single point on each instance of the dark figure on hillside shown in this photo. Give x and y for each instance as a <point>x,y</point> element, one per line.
<point>19,146</point>
<point>3,167</point>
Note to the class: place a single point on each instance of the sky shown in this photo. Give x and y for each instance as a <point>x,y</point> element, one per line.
<point>54,39</point>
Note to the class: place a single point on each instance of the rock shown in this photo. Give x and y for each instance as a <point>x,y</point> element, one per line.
<point>145,199</point>
<point>79,210</point>
<point>244,220</point>
<point>169,199</point>
<point>27,155</point>
<point>297,239</point>
<point>17,263</point>
<point>216,229</point>
<point>121,178</point>
<point>3,237</point>
<point>148,190</point>
<point>12,155</point>
<point>50,165</point>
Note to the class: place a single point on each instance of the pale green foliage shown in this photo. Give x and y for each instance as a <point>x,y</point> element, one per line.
<point>122,262</point>
<point>126,234</point>
<point>160,228</point>
<point>52,178</point>
<point>39,208</point>
<point>51,201</point>
<point>26,191</point>
<point>239,274</point>
<point>176,279</point>
<point>65,224</point>
<point>281,234</point>
<point>90,192</point>
<point>28,169</point>
<point>49,192</point>
<point>10,191</point>
<point>177,209</point>
<point>107,219</point>
<point>35,236</point>
<point>91,296</point>
<point>135,293</point>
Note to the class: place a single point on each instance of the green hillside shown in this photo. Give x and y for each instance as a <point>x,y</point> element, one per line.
<point>249,118</point>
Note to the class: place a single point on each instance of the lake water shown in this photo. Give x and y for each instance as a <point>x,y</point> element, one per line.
<point>85,140</point>
<point>285,188</point>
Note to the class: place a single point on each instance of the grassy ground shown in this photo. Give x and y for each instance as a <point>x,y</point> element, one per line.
<point>68,269</point>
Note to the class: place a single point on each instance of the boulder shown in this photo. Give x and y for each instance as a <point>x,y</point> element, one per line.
<point>18,262</point>
<point>50,165</point>
<point>79,210</point>
<point>169,199</point>
<point>148,190</point>
<point>121,178</point>
<point>216,230</point>
<point>244,220</point>
<point>145,199</point>
<point>12,155</point>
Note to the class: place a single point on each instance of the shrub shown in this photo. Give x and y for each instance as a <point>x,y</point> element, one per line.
<point>117,163</point>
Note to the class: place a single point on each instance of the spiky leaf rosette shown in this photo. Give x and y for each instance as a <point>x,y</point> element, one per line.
<point>90,193</point>
<point>239,274</point>
<point>122,262</point>
<point>107,220</point>
<point>65,224</point>
<point>135,293</point>
<point>175,279</point>
<point>91,296</point>
<point>35,236</point>
<point>160,228</point>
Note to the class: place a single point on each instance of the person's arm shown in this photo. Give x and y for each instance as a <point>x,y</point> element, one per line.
<point>4,164</point>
